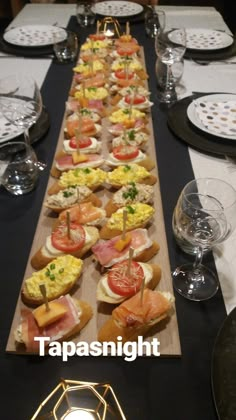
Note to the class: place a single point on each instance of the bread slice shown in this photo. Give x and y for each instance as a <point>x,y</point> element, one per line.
<point>112,328</point>
<point>92,198</point>
<point>59,277</point>
<point>151,284</point>
<point>146,163</point>
<point>42,257</point>
<point>86,313</point>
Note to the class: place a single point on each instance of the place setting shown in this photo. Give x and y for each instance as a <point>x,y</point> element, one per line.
<point>208,45</point>
<point>206,122</point>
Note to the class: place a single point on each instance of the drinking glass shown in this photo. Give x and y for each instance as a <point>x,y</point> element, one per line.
<point>85,14</point>
<point>21,103</point>
<point>154,21</point>
<point>170,46</point>
<point>18,167</point>
<point>205,215</point>
<point>65,50</point>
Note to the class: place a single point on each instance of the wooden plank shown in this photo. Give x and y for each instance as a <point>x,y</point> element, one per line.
<point>167,330</point>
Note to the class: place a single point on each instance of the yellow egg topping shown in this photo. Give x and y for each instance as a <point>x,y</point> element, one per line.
<point>82,176</point>
<point>86,68</point>
<point>125,174</point>
<point>92,93</point>
<point>137,215</point>
<point>57,275</point>
<point>92,45</point>
<point>124,114</point>
<point>122,64</point>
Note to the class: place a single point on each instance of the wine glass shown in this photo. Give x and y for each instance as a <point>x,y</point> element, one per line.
<point>170,46</point>
<point>155,21</point>
<point>21,103</point>
<point>205,215</point>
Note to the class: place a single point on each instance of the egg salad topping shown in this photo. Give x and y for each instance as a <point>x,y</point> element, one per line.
<point>86,68</point>
<point>122,64</point>
<point>91,44</point>
<point>82,176</point>
<point>125,174</point>
<point>137,214</point>
<point>124,114</point>
<point>92,93</point>
<point>62,271</point>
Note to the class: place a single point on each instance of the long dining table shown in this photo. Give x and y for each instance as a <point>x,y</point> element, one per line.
<point>150,387</point>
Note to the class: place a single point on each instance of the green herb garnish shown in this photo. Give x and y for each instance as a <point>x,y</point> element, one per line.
<point>126,168</point>
<point>130,209</point>
<point>131,193</point>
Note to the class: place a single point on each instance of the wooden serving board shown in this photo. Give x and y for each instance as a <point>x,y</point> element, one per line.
<point>167,330</point>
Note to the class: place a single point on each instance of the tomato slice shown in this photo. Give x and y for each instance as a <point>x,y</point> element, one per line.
<point>97,37</point>
<point>125,51</point>
<point>121,74</point>
<point>125,152</point>
<point>122,284</point>
<point>61,241</point>
<point>136,100</point>
<point>83,142</point>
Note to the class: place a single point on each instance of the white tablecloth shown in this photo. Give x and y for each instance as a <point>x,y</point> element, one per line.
<point>212,78</point>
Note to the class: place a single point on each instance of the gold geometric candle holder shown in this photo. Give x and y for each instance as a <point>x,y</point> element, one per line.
<point>110,27</point>
<point>77,400</point>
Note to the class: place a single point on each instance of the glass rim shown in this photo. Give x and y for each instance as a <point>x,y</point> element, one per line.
<point>210,179</point>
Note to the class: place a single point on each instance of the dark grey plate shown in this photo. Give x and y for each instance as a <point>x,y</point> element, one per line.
<point>224,369</point>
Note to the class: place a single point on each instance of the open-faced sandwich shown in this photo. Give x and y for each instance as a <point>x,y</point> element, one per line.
<point>125,174</point>
<point>65,318</point>
<point>70,161</point>
<point>84,214</point>
<point>59,277</point>
<point>108,253</point>
<point>128,195</point>
<point>70,197</point>
<point>126,154</point>
<point>77,242</point>
<point>124,279</point>
<point>138,216</point>
<point>136,316</point>
<point>90,177</point>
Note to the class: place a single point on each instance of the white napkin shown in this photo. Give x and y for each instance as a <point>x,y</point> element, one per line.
<point>218,117</point>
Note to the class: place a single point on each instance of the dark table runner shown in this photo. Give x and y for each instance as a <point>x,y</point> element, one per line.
<point>148,388</point>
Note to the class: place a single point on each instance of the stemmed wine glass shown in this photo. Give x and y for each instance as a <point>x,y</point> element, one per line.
<point>21,103</point>
<point>170,46</point>
<point>205,215</point>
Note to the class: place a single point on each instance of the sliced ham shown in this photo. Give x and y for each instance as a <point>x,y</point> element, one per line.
<point>64,163</point>
<point>107,255</point>
<point>134,312</point>
<point>118,129</point>
<point>56,331</point>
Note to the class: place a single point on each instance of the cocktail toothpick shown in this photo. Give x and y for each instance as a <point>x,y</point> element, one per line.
<point>44,294</point>
<point>68,224</point>
<point>125,214</point>
<point>131,254</point>
<point>98,26</point>
<point>127,28</point>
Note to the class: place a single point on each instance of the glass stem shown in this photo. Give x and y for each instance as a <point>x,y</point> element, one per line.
<point>198,258</point>
<point>26,136</point>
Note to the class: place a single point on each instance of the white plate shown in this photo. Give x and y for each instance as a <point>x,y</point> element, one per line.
<point>207,39</point>
<point>193,117</point>
<point>118,8</point>
<point>34,35</point>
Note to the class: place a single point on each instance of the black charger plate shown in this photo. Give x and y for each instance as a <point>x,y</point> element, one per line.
<point>224,369</point>
<point>8,48</point>
<point>212,55</point>
<point>179,123</point>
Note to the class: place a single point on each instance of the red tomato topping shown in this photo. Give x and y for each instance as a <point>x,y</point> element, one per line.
<point>123,284</point>
<point>61,241</point>
<point>123,51</point>
<point>125,152</point>
<point>83,142</point>
<point>121,74</point>
<point>97,37</point>
<point>136,100</point>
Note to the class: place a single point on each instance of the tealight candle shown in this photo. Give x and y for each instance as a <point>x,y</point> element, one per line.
<point>78,414</point>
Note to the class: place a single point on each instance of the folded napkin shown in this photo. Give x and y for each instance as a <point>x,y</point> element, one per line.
<point>217,117</point>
